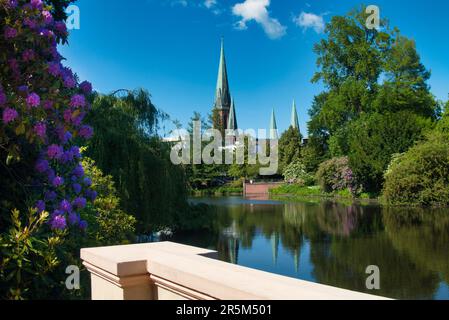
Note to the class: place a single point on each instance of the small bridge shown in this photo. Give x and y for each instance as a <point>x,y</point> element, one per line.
<point>251,188</point>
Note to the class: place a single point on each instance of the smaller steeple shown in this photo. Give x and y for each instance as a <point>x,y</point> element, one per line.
<point>294,118</point>
<point>232,121</point>
<point>273,127</point>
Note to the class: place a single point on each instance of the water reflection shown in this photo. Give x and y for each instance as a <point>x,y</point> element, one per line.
<point>333,243</point>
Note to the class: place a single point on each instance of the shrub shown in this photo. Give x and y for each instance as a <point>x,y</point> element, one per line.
<point>28,256</point>
<point>336,175</point>
<point>421,175</point>
<point>296,172</point>
<point>111,225</point>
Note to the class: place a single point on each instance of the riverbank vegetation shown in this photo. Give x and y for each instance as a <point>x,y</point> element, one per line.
<point>376,128</point>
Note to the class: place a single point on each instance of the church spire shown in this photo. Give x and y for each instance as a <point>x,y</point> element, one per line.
<point>294,119</point>
<point>222,94</point>
<point>232,121</point>
<point>273,127</point>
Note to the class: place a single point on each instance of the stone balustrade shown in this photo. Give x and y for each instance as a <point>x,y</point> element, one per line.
<point>170,271</point>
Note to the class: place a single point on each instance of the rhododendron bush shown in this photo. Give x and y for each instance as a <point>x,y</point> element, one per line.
<point>42,111</point>
<point>46,198</point>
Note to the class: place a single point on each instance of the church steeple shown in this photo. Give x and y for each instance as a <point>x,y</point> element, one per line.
<point>294,118</point>
<point>232,121</point>
<point>273,127</point>
<point>222,94</point>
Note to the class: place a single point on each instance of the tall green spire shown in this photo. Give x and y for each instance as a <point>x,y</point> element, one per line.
<point>294,119</point>
<point>232,121</point>
<point>222,93</point>
<point>273,127</point>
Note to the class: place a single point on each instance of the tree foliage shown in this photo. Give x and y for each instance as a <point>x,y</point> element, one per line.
<point>126,147</point>
<point>289,147</point>
<point>372,77</point>
<point>374,138</point>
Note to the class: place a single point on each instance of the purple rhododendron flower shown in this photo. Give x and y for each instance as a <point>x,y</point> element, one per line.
<point>74,218</point>
<point>30,23</point>
<point>40,129</point>
<point>40,206</point>
<point>78,171</point>
<point>57,182</point>
<point>91,194</point>
<point>65,206</point>
<point>67,116</point>
<point>58,222</point>
<point>80,203</point>
<point>78,100</point>
<point>10,33</point>
<point>86,132</point>
<point>69,82</point>
<point>12,4</point>
<point>48,18</point>
<point>54,68</point>
<point>86,87</point>
<point>9,115</point>
<point>48,105</point>
<point>42,166</point>
<point>36,4</point>
<point>33,100</point>
<point>28,55</point>
<point>76,152</point>
<point>83,225</point>
<point>61,27</point>
<point>67,157</point>
<point>54,151</point>
<point>50,195</point>
<point>87,182</point>
<point>76,188</point>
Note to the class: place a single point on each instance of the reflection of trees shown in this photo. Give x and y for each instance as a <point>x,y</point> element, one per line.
<point>422,234</point>
<point>344,220</point>
<point>342,263</point>
<point>409,246</point>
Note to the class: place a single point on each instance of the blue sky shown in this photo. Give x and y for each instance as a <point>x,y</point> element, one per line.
<point>171,48</point>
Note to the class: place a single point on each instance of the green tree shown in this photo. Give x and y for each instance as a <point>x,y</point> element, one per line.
<point>368,72</point>
<point>127,147</point>
<point>374,138</point>
<point>289,147</point>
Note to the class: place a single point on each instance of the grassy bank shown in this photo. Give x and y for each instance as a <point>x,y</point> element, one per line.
<point>295,190</point>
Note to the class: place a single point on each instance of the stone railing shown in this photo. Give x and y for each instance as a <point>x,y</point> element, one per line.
<point>170,271</point>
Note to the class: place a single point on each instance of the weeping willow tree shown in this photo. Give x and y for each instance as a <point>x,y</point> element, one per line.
<point>127,147</point>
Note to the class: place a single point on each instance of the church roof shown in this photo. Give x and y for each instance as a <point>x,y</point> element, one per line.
<point>273,127</point>
<point>232,121</point>
<point>222,94</point>
<point>294,118</point>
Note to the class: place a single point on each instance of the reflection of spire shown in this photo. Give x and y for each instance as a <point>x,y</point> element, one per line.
<point>296,256</point>
<point>233,250</point>
<point>275,247</point>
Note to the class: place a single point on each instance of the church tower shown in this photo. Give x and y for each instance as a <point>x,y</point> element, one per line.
<point>223,102</point>
<point>294,117</point>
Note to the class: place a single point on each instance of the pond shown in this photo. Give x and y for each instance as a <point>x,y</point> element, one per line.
<point>333,243</point>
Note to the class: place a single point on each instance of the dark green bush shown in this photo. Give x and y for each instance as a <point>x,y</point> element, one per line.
<point>421,175</point>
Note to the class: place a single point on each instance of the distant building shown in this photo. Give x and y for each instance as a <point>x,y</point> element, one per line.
<point>224,104</point>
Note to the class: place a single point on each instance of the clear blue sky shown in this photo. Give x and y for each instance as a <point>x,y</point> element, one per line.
<point>171,48</point>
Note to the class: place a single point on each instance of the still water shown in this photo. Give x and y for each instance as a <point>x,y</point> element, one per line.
<point>333,243</point>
